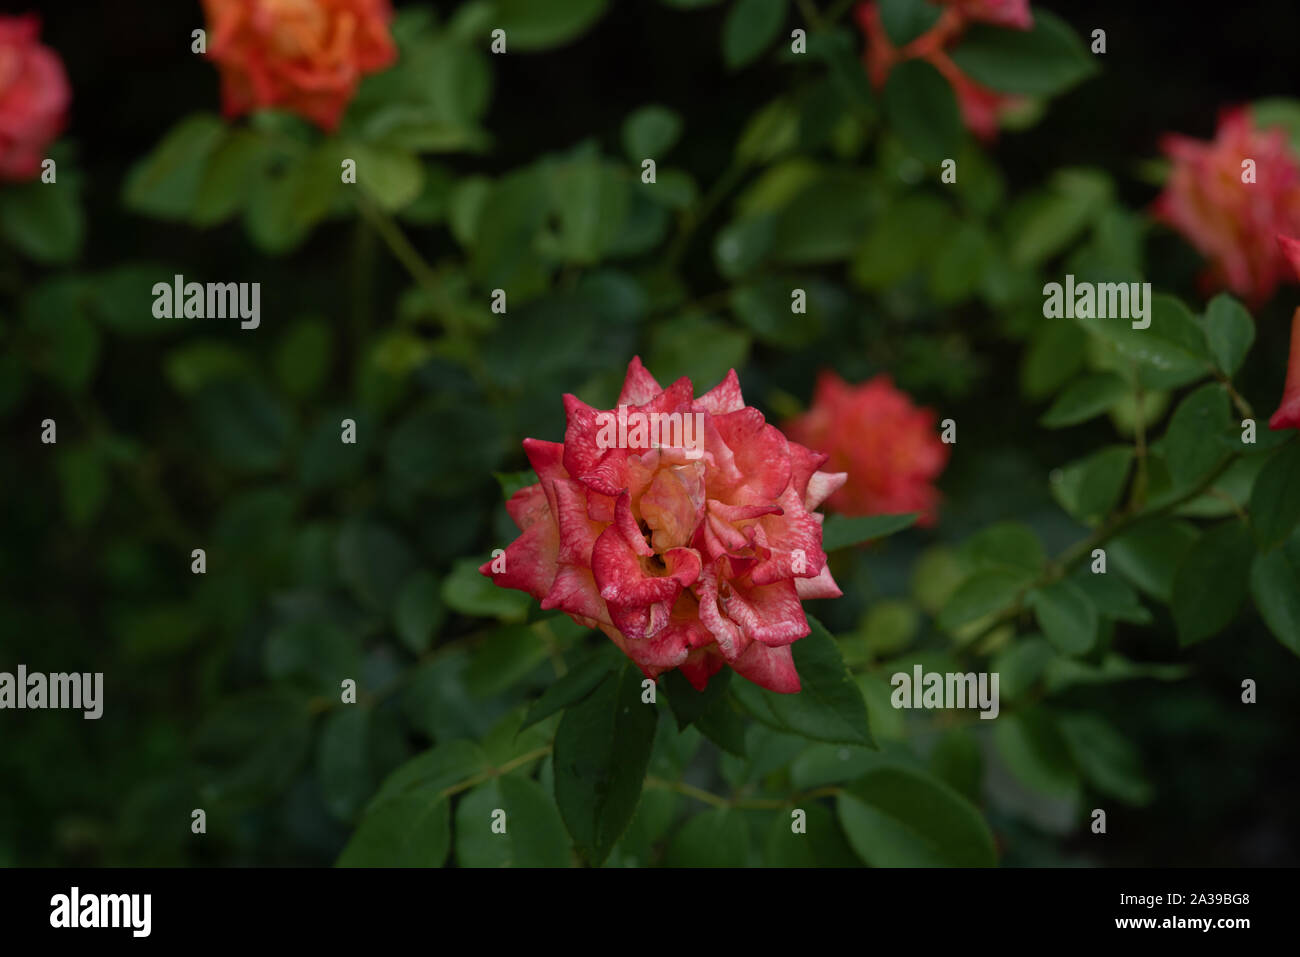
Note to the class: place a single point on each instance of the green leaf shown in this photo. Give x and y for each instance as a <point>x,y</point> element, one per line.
<point>1172,350</point>
<point>245,425</point>
<point>1210,583</point>
<point>828,706</point>
<point>650,133</point>
<point>1187,453</point>
<point>1043,224</point>
<point>419,613</point>
<point>602,749</point>
<point>1230,332</point>
<point>507,655</point>
<point>466,591</point>
<point>1084,399</point>
<point>1067,616</point>
<point>1089,488</point>
<point>1006,545</point>
<point>1149,552</point>
<point>1045,60</point>
<point>698,347</point>
<point>822,843</point>
<point>983,593</point>
<point>224,187</point>
<point>590,200</point>
<point>302,357</point>
<point>573,687</point>
<point>343,762</point>
<point>432,772</point>
<point>530,25</point>
<point>43,220</point>
<point>686,703</point>
<point>166,183</point>
<point>898,817</point>
<point>1275,586</point>
<point>718,837</point>
<point>250,747</point>
<point>374,561</point>
<point>413,830</point>
<point>1035,751</point>
<point>841,531</point>
<point>286,203</point>
<point>750,27</point>
<point>533,834</point>
<point>905,20</point>
<point>956,761</point>
<point>922,110</point>
<point>84,482</point>
<point>320,654</point>
<point>1275,498</point>
<point>1108,761</point>
<point>392,177</point>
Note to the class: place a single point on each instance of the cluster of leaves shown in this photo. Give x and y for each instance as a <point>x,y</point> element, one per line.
<point>329,561</point>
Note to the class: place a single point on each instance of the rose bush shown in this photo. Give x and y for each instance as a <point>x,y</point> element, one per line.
<point>347,607</point>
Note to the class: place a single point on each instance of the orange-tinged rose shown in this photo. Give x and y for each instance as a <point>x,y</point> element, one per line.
<point>886,444</point>
<point>1230,221</point>
<point>34,96</point>
<point>306,56</point>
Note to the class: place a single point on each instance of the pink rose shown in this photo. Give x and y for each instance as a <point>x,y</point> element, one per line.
<point>1013,14</point>
<point>981,108</point>
<point>681,527</point>
<point>884,443</point>
<point>1287,415</point>
<point>1233,222</point>
<point>34,96</point>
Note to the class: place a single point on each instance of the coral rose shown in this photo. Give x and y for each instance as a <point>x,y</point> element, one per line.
<point>1013,14</point>
<point>1287,415</point>
<point>306,56</point>
<point>1232,223</point>
<point>681,527</point>
<point>981,108</point>
<point>34,96</point>
<point>884,442</point>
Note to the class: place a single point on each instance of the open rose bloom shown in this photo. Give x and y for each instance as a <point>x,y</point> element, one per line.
<point>1232,223</point>
<point>306,56</point>
<point>883,441</point>
<point>34,96</point>
<point>692,555</point>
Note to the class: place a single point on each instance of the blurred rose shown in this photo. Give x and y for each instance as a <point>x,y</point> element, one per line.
<point>1013,14</point>
<point>34,96</point>
<point>885,443</point>
<point>981,108</point>
<point>1287,415</point>
<point>1232,222</point>
<point>306,56</point>
<point>688,555</point>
